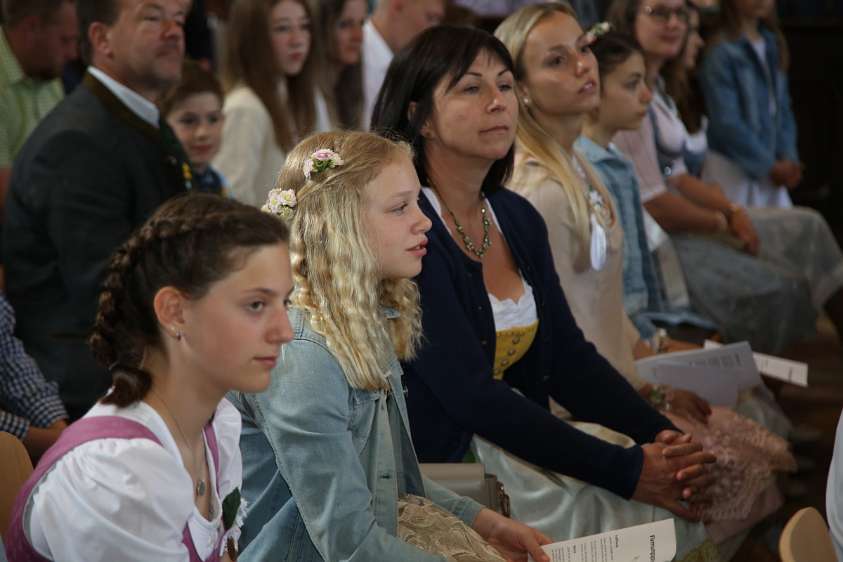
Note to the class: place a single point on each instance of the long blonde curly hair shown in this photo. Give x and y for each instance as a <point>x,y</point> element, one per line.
<point>335,270</point>
<point>533,141</point>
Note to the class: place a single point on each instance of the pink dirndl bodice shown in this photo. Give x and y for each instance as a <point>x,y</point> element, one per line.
<point>16,544</point>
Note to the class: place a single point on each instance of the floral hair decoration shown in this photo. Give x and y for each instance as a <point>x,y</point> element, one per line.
<point>596,30</point>
<point>282,203</point>
<point>321,160</point>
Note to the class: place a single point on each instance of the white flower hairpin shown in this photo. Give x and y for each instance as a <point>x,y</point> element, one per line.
<point>321,160</point>
<point>596,30</point>
<point>282,203</point>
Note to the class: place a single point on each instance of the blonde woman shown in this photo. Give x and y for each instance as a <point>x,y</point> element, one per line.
<point>585,230</point>
<point>272,99</point>
<point>330,469</point>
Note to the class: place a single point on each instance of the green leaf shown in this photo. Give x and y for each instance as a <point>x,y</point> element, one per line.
<point>230,507</point>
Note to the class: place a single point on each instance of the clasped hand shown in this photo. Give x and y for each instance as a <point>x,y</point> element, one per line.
<point>674,474</point>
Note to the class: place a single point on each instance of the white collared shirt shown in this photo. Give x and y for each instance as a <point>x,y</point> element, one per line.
<point>139,105</point>
<point>376,58</point>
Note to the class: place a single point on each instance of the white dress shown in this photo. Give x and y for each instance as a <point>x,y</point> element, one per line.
<point>129,499</point>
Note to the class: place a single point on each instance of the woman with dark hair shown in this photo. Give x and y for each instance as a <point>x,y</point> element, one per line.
<point>272,99</point>
<point>761,274</point>
<point>499,338</point>
<point>193,306</point>
<point>338,32</point>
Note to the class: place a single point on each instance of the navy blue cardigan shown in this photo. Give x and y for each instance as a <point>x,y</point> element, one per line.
<point>452,395</point>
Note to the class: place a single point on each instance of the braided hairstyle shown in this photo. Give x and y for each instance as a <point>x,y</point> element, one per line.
<point>190,243</point>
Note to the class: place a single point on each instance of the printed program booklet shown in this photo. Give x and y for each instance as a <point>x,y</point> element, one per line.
<point>651,542</point>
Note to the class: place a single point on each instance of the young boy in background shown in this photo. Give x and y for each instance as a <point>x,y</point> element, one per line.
<point>193,109</point>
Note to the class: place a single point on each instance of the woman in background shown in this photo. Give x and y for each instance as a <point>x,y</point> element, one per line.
<point>272,98</point>
<point>338,29</point>
<point>761,275</point>
<point>752,131</point>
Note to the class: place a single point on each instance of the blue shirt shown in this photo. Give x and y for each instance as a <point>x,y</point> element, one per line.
<point>737,87</point>
<point>452,395</point>
<point>26,397</point>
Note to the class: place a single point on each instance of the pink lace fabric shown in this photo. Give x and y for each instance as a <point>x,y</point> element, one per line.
<point>748,456</point>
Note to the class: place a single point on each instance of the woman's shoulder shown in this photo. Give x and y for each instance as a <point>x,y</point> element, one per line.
<point>508,201</point>
<point>129,471</point>
<point>301,321</point>
<point>723,48</point>
<point>529,175</point>
<point>116,486</point>
<point>243,97</point>
<point>227,422</point>
<point>520,216</point>
<point>308,358</point>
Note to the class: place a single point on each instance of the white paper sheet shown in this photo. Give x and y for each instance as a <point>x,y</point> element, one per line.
<point>652,542</point>
<point>786,370</point>
<point>735,359</point>
<point>717,386</point>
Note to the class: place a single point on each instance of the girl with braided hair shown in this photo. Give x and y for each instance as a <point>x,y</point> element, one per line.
<point>330,468</point>
<point>193,306</point>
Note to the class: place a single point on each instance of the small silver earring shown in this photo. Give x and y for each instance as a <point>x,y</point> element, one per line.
<point>526,101</point>
<point>177,334</point>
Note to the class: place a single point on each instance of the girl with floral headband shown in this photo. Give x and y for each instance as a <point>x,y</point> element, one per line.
<point>331,472</point>
<point>193,306</point>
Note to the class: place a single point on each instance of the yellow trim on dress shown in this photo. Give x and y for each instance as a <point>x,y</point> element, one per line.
<point>511,345</point>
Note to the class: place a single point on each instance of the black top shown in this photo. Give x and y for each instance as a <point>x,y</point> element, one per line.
<point>452,394</point>
<point>89,174</point>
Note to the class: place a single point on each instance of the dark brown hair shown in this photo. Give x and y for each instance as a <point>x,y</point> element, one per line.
<point>14,11</point>
<point>194,80</point>
<point>249,60</point>
<point>440,54</point>
<point>612,50</point>
<point>89,12</point>
<point>621,14</point>
<point>190,243</point>
<point>343,88</point>
<point>682,86</point>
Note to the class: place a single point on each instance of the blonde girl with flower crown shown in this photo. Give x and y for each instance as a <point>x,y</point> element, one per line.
<point>330,469</point>
<point>193,306</point>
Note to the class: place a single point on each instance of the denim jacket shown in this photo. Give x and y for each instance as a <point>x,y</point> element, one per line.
<point>324,463</point>
<point>737,97</point>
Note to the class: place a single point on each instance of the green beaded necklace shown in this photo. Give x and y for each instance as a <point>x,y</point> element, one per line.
<point>466,239</point>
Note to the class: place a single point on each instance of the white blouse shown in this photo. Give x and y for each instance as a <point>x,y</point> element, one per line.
<point>249,157</point>
<point>129,499</point>
<point>508,313</point>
